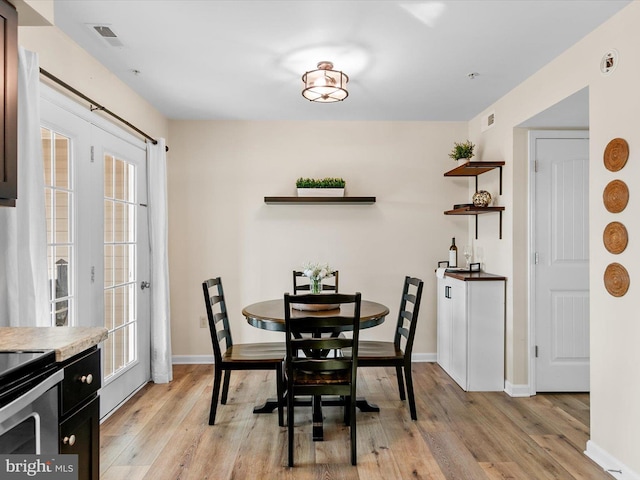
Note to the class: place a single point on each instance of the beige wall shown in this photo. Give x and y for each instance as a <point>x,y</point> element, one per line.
<point>221,171</point>
<point>614,104</point>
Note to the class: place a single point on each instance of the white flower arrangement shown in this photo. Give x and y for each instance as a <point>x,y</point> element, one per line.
<point>317,271</point>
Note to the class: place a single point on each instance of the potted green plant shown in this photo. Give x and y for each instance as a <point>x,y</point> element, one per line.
<point>323,187</point>
<point>462,152</point>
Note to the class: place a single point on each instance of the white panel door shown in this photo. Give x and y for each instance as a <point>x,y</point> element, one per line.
<point>561,260</point>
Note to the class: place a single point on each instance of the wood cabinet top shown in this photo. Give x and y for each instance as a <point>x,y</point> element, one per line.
<point>474,276</point>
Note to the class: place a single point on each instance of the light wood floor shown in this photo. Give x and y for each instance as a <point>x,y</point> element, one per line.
<point>162,433</point>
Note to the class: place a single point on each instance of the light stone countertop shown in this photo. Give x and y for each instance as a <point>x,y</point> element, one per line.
<point>66,341</point>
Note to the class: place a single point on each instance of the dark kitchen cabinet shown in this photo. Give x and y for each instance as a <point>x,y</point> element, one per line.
<point>8,104</point>
<point>79,428</point>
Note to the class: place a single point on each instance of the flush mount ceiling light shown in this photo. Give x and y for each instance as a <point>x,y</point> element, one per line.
<point>325,85</point>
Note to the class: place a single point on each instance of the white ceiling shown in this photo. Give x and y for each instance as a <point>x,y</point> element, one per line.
<point>407,60</point>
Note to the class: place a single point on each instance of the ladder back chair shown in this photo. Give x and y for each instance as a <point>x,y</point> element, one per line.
<point>229,356</point>
<point>392,354</point>
<point>302,287</point>
<point>308,369</point>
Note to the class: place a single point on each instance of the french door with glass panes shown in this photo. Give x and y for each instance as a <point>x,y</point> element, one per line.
<point>95,186</point>
<point>126,353</point>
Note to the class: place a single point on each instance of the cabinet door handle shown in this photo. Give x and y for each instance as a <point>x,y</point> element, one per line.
<point>70,440</point>
<point>86,379</point>
<point>447,292</point>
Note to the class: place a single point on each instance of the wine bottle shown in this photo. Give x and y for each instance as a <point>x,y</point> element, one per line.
<point>453,254</point>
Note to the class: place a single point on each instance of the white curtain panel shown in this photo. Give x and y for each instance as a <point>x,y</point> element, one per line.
<point>161,371</point>
<point>24,293</point>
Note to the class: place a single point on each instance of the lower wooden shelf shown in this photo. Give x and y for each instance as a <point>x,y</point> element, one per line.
<point>317,200</point>
<point>471,210</point>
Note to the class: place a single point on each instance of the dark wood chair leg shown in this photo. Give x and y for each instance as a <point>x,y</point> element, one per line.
<point>352,430</point>
<point>400,383</point>
<point>280,394</point>
<point>347,409</point>
<point>214,394</point>
<point>290,421</point>
<point>225,387</point>
<point>412,400</point>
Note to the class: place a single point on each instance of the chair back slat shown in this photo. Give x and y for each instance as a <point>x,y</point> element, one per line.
<point>404,332</point>
<point>409,310</point>
<point>301,283</point>
<point>219,327</point>
<point>322,364</point>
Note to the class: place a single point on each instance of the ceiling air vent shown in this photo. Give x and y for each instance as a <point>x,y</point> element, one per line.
<point>488,121</point>
<point>107,35</point>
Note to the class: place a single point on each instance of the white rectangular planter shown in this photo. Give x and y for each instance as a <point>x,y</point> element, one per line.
<point>321,192</point>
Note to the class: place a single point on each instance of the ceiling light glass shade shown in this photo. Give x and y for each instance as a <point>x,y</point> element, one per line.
<point>325,85</point>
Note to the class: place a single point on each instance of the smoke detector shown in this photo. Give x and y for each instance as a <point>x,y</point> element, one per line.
<point>609,62</point>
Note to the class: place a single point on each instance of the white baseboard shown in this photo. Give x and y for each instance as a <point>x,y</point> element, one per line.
<point>609,463</point>
<point>517,390</point>
<point>191,359</point>
<point>208,359</point>
<point>424,357</point>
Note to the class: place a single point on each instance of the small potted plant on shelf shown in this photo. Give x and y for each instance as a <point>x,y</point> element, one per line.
<point>462,152</point>
<point>324,187</point>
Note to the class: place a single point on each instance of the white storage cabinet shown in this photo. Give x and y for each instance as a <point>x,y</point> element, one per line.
<point>471,329</point>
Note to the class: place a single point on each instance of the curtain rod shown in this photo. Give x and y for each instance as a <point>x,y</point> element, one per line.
<point>96,106</point>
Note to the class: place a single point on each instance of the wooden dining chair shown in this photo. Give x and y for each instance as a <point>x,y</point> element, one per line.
<point>300,285</point>
<point>395,354</point>
<point>230,356</point>
<point>308,370</point>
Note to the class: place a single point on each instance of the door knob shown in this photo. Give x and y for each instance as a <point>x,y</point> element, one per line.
<point>144,285</point>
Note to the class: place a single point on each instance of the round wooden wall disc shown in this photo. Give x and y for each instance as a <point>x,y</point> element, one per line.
<point>615,237</point>
<point>616,154</point>
<point>615,196</point>
<point>616,279</point>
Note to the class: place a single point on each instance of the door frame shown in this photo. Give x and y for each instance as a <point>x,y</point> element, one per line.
<point>531,247</point>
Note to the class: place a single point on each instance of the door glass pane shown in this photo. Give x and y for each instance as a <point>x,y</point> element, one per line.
<point>119,264</point>
<point>59,203</point>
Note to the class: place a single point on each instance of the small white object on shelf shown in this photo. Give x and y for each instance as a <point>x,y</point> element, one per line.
<point>321,192</point>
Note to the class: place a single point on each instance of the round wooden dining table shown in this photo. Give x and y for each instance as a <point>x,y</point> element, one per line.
<point>269,315</point>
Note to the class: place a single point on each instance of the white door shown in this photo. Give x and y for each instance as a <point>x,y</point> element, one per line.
<point>122,198</point>
<point>98,237</point>
<point>560,244</point>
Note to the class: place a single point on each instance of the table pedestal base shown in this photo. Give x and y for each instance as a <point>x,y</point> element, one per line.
<point>272,404</point>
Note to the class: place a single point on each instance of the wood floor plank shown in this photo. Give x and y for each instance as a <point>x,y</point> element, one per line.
<point>576,405</point>
<point>554,416</point>
<point>136,413</point>
<point>177,458</point>
<point>572,460</point>
<point>162,433</point>
<point>158,429</point>
<point>406,443</point>
<point>519,447</point>
<point>128,471</point>
<point>504,471</point>
<point>375,459</point>
<point>454,459</point>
